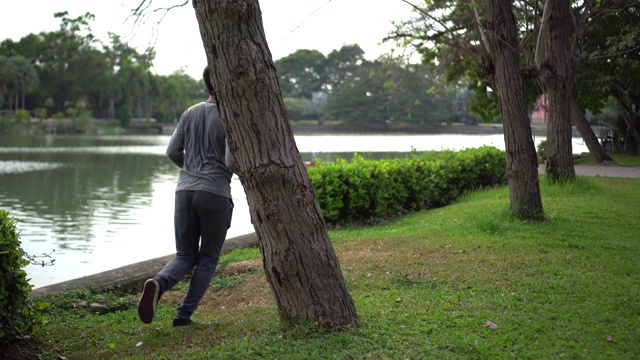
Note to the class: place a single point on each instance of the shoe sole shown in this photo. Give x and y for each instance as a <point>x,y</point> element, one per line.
<point>148,301</point>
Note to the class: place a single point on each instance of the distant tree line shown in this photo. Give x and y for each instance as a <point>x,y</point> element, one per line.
<point>596,62</point>
<point>68,73</point>
<point>347,87</point>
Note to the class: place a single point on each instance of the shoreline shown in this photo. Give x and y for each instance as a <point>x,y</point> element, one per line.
<point>130,278</point>
<point>146,127</point>
<point>457,129</point>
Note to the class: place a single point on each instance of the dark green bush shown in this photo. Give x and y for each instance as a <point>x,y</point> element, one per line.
<point>124,115</point>
<point>541,151</point>
<point>18,316</point>
<point>365,190</point>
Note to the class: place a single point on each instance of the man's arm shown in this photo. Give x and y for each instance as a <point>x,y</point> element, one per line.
<point>175,149</point>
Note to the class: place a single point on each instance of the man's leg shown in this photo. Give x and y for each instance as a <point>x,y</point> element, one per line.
<point>215,218</point>
<point>187,237</point>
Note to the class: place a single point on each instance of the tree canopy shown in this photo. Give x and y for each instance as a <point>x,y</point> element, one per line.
<point>385,91</point>
<point>72,71</point>
<point>68,69</point>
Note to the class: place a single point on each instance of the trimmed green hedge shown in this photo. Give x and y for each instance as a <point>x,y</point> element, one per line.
<point>367,190</point>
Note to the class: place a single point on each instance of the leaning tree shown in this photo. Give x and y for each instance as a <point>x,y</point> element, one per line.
<point>487,34</point>
<point>612,70</point>
<point>561,28</point>
<point>299,261</point>
<point>551,35</point>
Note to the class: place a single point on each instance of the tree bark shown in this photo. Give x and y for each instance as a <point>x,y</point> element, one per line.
<point>299,261</point>
<point>631,118</point>
<point>506,79</point>
<point>632,141</point>
<point>595,147</point>
<point>557,72</point>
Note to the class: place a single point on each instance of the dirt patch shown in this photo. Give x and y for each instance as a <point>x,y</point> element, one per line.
<point>253,291</point>
<point>240,267</point>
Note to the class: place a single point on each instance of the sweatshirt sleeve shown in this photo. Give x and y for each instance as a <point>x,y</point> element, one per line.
<point>175,149</point>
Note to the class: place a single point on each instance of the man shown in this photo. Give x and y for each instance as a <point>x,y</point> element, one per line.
<point>203,207</point>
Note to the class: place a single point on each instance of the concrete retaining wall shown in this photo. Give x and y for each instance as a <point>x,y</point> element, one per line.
<point>130,278</point>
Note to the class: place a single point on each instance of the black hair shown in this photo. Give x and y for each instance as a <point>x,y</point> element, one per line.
<point>206,76</point>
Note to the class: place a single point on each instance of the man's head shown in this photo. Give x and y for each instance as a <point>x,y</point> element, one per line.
<point>206,76</point>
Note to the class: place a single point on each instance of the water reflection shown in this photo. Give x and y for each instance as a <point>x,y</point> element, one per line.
<point>15,167</point>
<point>99,202</point>
<point>103,202</point>
<point>75,200</point>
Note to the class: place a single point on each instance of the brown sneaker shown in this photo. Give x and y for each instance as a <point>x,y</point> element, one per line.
<point>148,301</point>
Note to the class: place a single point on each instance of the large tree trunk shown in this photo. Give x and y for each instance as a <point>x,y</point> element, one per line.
<point>299,261</point>
<point>631,137</point>
<point>632,141</point>
<point>590,139</point>
<point>557,75</point>
<point>507,81</point>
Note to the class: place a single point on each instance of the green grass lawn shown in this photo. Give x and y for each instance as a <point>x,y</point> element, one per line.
<point>426,286</point>
<point>618,160</point>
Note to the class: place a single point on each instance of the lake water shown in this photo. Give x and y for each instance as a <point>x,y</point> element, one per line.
<point>102,202</point>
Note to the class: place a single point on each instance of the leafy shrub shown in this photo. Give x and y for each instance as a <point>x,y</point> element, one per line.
<point>83,123</point>
<point>59,115</point>
<point>295,108</point>
<point>71,112</point>
<point>124,115</point>
<point>366,190</point>
<point>41,113</point>
<point>22,115</point>
<point>18,316</point>
<point>7,123</point>
<point>541,151</point>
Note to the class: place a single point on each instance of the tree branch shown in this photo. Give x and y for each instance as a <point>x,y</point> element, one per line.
<point>32,259</point>
<point>481,30</point>
<point>539,46</point>
<point>622,52</point>
<point>420,10</point>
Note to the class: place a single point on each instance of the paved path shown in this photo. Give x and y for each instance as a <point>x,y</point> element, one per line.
<point>604,170</point>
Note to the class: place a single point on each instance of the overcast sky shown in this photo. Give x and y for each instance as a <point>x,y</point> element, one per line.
<point>290,25</point>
